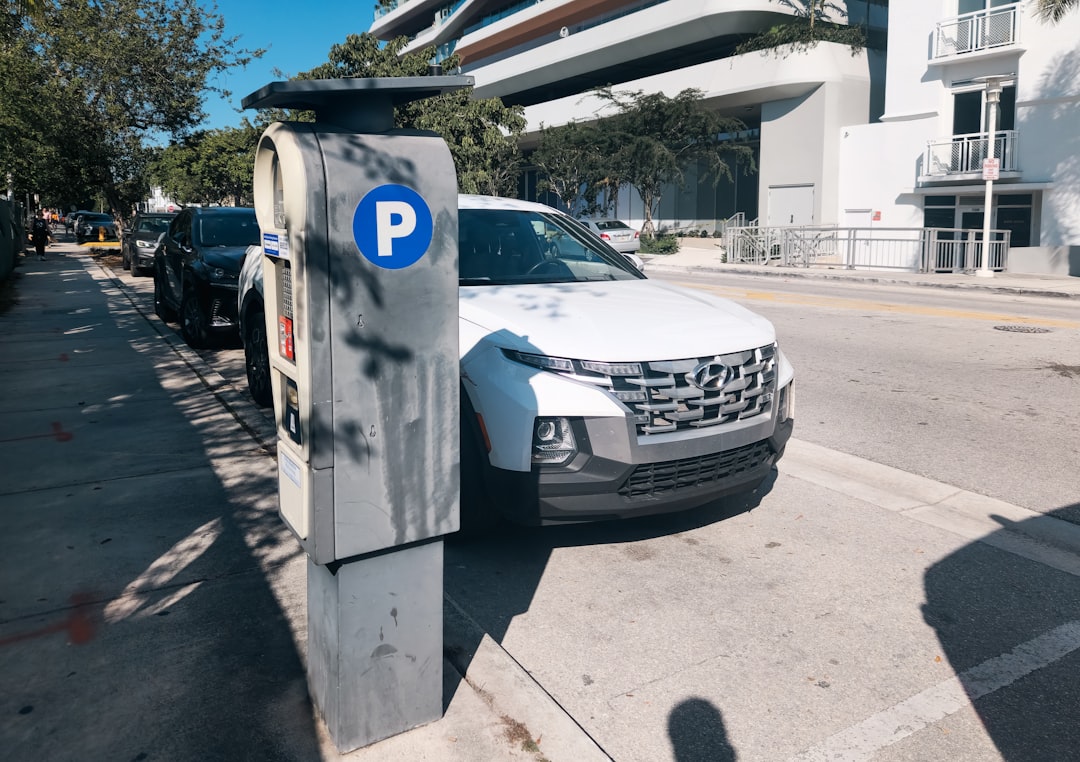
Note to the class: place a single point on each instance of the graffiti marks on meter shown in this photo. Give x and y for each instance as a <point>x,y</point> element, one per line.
<point>392,226</point>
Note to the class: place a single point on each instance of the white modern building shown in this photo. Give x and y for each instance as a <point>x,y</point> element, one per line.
<point>548,54</point>
<point>842,137</point>
<point>922,164</point>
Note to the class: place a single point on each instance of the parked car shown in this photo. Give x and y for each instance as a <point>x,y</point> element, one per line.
<point>593,392</point>
<point>137,245</point>
<point>71,218</point>
<point>616,233</point>
<point>94,226</point>
<point>197,267</point>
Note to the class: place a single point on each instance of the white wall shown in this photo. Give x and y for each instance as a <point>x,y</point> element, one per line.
<point>800,143</point>
<point>878,164</point>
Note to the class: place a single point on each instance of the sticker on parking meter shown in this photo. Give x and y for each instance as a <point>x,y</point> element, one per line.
<point>392,226</point>
<point>275,245</point>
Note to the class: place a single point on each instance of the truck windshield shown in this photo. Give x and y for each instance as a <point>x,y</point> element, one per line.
<point>513,246</point>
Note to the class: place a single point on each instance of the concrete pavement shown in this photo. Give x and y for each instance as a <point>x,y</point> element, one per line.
<point>152,603</point>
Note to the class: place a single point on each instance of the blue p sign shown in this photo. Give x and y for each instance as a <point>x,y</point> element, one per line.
<point>392,226</point>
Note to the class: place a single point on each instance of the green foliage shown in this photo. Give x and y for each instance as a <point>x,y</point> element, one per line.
<point>800,37</point>
<point>210,167</point>
<point>573,160</point>
<point>481,133</point>
<point>85,85</point>
<point>659,244</point>
<point>654,139</point>
<point>810,26</point>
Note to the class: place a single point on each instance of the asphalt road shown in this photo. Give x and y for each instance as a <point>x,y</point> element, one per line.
<point>926,381</point>
<point>847,610</point>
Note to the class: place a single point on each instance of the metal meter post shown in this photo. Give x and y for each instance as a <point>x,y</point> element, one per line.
<point>359,234</point>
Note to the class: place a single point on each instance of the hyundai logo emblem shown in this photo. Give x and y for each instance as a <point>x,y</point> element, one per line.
<point>710,376</point>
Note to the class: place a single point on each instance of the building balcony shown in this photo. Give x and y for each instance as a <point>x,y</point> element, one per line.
<point>960,157</point>
<point>986,31</point>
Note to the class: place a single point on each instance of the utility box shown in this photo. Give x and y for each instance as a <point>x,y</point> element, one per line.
<point>359,236</point>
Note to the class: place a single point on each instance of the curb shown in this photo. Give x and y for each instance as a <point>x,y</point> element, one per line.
<point>652,266</point>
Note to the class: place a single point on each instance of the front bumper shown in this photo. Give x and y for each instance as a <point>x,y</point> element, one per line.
<point>221,309</point>
<point>143,259</point>
<point>660,478</point>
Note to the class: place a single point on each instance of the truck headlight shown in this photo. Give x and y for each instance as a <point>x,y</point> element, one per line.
<point>553,441</point>
<point>786,407</point>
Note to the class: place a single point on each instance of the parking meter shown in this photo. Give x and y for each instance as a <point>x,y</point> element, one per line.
<point>359,236</point>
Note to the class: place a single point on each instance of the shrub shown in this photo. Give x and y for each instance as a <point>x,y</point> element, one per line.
<point>661,244</point>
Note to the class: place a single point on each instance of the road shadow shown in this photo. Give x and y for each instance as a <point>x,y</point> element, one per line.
<point>1010,628</point>
<point>138,619</point>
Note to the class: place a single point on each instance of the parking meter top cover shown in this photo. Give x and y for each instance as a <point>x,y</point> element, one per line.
<point>364,103</point>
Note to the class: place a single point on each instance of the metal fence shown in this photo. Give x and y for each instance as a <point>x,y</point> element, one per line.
<point>906,249</point>
<point>979,30</point>
<point>957,154</point>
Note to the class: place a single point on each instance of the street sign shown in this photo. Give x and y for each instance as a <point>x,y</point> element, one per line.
<point>991,168</point>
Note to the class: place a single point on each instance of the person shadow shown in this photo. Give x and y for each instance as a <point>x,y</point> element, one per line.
<point>697,733</point>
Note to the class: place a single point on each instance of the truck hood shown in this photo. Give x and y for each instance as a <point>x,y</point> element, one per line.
<point>610,321</point>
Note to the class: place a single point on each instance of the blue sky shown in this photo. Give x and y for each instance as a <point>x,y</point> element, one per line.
<point>297,35</point>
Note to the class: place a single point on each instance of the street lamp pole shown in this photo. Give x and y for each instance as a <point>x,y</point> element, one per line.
<point>993,96</point>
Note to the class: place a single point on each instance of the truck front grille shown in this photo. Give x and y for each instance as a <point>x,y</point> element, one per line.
<point>663,398</point>
<point>659,479</point>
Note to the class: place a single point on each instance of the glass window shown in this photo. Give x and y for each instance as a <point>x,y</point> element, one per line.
<point>229,229</point>
<point>510,246</point>
<point>940,201</point>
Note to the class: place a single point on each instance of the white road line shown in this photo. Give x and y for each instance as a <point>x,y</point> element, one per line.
<point>862,741</point>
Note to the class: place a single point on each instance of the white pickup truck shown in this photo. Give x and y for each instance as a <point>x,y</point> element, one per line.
<point>588,390</point>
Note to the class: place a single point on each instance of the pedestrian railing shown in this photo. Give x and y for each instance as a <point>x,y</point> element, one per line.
<point>905,249</point>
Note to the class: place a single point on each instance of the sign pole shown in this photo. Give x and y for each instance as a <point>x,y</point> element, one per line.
<point>991,165</point>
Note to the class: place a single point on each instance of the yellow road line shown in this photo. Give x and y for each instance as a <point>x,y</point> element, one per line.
<point>867,304</point>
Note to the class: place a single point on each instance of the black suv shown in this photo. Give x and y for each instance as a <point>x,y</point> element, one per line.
<point>138,244</point>
<point>197,267</point>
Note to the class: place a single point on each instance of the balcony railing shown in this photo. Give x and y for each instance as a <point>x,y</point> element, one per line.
<point>981,30</point>
<point>961,154</point>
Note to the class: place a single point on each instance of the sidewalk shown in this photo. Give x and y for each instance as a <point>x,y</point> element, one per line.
<point>153,603</point>
<point>705,256</point>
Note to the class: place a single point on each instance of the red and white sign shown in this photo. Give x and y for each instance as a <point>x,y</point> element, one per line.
<point>285,338</point>
<point>876,217</point>
<point>991,168</point>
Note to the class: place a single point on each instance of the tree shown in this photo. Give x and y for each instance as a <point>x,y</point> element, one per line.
<point>210,167</point>
<point>1054,10</point>
<point>655,139</point>
<point>481,133</point>
<point>570,158</point>
<point>812,24</point>
<point>94,80</point>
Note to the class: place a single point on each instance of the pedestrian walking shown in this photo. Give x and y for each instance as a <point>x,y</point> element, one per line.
<point>40,234</point>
